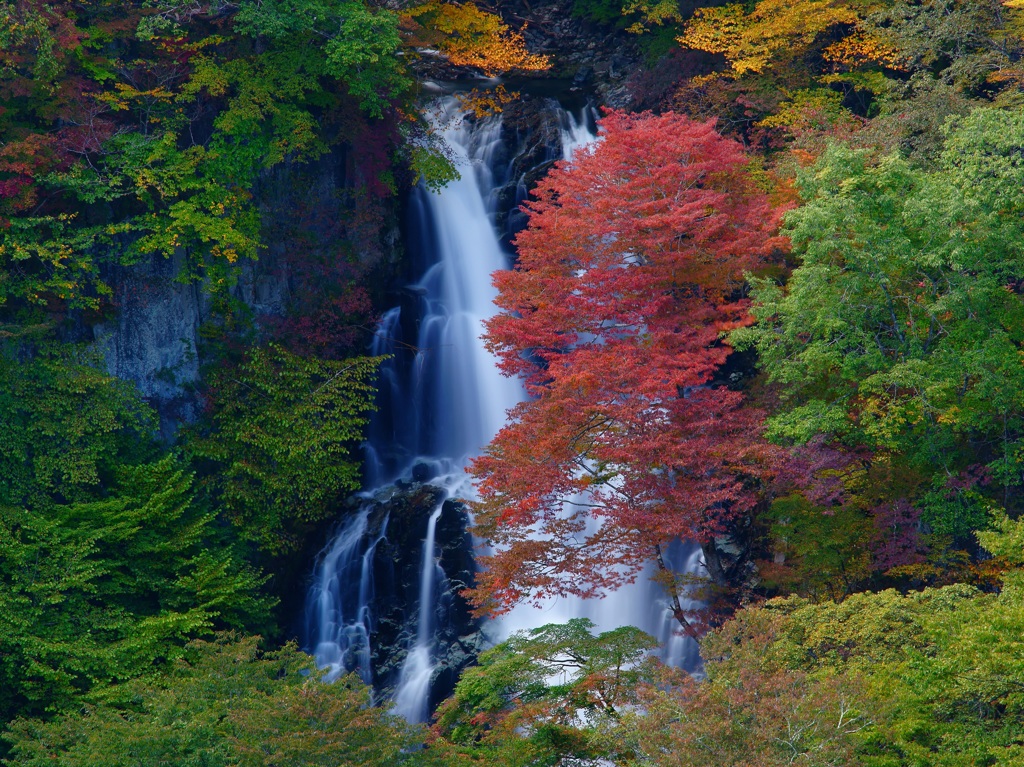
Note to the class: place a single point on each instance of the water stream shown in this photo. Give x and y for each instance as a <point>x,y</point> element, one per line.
<point>342,614</point>
<point>439,407</point>
<point>413,692</point>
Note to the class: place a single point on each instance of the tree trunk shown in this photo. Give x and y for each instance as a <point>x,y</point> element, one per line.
<point>677,608</point>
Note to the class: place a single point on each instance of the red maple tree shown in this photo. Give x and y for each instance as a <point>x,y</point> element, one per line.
<point>628,274</point>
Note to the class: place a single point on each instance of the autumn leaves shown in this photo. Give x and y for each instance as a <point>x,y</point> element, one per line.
<point>628,275</point>
<point>893,342</point>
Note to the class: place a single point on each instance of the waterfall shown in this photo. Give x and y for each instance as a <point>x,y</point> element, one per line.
<point>413,691</point>
<point>339,601</point>
<point>439,407</point>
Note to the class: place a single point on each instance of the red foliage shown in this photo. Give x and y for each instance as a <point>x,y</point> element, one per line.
<point>336,326</point>
<point>372,144</point>
<point>21,163</point>
<point>326,258</point>
<point>87,123</point>
<point>626,279</point>
<point>819,471</point>
<point>898,540</point>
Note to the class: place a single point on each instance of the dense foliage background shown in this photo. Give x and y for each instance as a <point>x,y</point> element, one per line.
<point>808,253</point>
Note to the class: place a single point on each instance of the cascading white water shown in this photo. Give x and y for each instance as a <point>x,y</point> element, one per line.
<point>459,386</point>
<point>469,396</point>
<point>575,134</point>
<point>444,409</point>
<point>413,692</point>
<point>342,613</point>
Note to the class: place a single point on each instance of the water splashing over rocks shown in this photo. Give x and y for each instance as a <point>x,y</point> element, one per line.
<point>385,601</point>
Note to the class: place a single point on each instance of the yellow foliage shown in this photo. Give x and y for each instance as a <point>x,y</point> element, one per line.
<point>484,103</point>
<point>653,13</point>
<point>470,37</point>
<point>699,81</point>
<point>750,41</point>
<point>862,48</point>
<point>818,107</point>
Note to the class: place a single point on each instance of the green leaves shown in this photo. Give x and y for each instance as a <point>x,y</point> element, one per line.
<point>938,672</point>
<point>355,43</point>
<point>102,591</point>
<point>542,696</point>
<point>107,563</point>
<point>285,428</point>
<point>899,330</point>
<point>224,704</point>
<point>827,552</point>
<point>64,424</point>
<point>115,146</point>
<point>363,55</point>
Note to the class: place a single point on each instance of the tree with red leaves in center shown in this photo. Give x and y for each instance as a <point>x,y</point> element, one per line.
<point>627,277</point>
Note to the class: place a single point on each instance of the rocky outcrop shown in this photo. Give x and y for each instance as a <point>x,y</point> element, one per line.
<point>589,55</point>
<point>152,337</point>
<point>585,57</point>
<point>153,334</point>
<point>531,129</point>
<point>402,511</point>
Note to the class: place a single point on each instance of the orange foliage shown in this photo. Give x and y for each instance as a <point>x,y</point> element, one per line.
<point>484,103</point>
<point>751,41</point>
<point>470,37</point>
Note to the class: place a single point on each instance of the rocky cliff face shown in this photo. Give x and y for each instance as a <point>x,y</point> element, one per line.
<point>531,127</point>
<point>591,56</point>
<point>153,337</point>
<point>585,56</point>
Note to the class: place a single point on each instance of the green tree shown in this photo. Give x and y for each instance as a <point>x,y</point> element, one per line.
<point>64,425</point>
<point>348,40</point>
<point>107,562</point>
<point>549,696</point>
<point>900,329</point>
<point>224,704</point>
<point>285,429</point>
<point>946,57</point>
<point>98,592</point>
<point>820,552</point>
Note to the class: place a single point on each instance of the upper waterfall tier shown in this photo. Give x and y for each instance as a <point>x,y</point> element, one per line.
<point>445,402</point>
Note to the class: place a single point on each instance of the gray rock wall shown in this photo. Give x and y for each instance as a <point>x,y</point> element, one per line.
<point>153,338</point>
